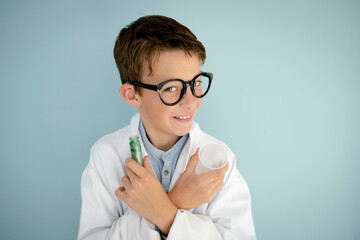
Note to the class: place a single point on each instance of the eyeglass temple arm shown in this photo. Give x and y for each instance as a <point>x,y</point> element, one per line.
<point>143,85</point>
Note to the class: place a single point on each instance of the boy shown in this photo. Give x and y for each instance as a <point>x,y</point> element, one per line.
<point>159,63</point>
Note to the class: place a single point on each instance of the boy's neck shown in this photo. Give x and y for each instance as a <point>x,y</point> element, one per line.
<point>163,146</point>
<point>163,143</point>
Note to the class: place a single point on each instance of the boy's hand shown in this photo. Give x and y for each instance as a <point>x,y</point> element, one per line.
<point>143,193</point>
<point>191,190</point>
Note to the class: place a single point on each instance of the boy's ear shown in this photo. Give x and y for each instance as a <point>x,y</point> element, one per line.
<point>127,92</point>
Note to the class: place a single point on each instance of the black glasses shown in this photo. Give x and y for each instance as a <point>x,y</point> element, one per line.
<point>173,91</point>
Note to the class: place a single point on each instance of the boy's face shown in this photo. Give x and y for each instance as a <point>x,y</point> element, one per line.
<point>162,123</point>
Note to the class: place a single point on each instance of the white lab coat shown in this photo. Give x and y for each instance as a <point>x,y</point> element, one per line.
<point>103,216</point>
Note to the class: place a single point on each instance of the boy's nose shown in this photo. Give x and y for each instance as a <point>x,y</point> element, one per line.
<point>189,99</point>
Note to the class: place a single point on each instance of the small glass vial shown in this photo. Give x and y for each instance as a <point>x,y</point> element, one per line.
<point>135,149</point>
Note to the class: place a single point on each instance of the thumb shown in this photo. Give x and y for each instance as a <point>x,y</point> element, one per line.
<point>147,165</point>
<point>193,161</point>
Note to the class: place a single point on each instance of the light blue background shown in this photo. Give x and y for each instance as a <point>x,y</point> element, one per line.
<point>285,98</point>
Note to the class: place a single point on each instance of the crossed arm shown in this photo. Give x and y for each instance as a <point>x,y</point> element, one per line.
<point>143,193</point>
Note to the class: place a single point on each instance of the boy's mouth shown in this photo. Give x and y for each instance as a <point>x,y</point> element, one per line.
<point>183,117</point>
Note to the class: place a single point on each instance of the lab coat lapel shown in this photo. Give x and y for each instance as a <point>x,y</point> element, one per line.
<point>188,150</point>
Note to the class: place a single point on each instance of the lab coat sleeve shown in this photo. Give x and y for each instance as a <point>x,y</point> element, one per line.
<point>228,216</point>
<point>100,218</point>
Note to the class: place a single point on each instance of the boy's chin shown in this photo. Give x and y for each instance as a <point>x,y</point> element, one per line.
<point>182,132</point>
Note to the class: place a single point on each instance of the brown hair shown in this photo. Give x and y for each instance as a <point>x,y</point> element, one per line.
<point>139,41</point>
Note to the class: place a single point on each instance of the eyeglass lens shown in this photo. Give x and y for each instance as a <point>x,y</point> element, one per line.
<point>172,91</point>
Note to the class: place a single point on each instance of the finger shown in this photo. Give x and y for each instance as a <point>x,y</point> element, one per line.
<point>147,165</point>
<point>135,167</point>
<point>131,174</point>
<point>193,161</point>
<point>213,176</point>
<point>217,187</point>
<point>210,180</point>
<point>126,182</point>
<point>120,194</point>
<point>218,172</point>
<point>224,169</point>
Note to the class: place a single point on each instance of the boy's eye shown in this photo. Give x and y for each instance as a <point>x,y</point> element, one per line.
<point>170,89</point>
<point>198,83</point>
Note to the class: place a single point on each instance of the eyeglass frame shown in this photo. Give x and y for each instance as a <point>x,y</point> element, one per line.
<point>185,84</point>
